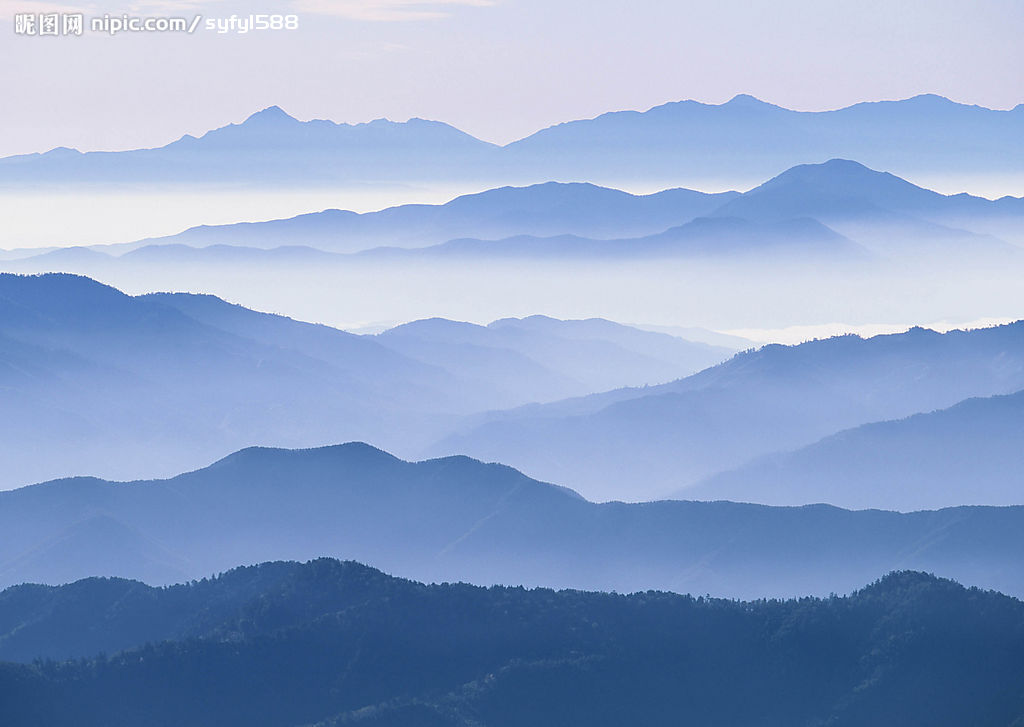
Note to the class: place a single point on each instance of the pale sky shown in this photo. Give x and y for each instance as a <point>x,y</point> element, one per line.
<point>498,69</point>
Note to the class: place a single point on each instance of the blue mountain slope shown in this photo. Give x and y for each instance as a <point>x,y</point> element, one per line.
<point>653,441</point>
<point>595,354</point>
<point>970,452</point>
<point>95,381</point>
<point>799,212</point>
<point>878,209</point>
<point>840,186</point>
<point>272,129</point>
<point>475,353</point>
<point>270,147</point>
<point>742,139</point>
<point>794,209</point>
<point>920,134</point>
<point>458,519</point>
<point>710,239</point>
<point>98,381</point>
<point>543,209</point>
<point>674,348</point>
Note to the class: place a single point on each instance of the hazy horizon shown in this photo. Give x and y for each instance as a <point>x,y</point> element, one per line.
<point>114,215</point>
<point>612,109</point>
<point>385,58</point>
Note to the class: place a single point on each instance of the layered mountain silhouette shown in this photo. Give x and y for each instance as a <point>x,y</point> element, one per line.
<point>457,519</point>
<point>657,440</point>
<point>328,643</point>
<point>877,209</point>
<point>713,240</point>
<point>742,138</point>
<point>268,148</point>
<point>703,238</point>
<point>970,452</point>
<point>543,210</point>
<point>825,210</point>
<point>746,135</point>
<point>841,189</point>
<point>102,383</point>
<point>98,381</point>
<point>599,354</point>
<point>498,462</point>
<point>94,381</point>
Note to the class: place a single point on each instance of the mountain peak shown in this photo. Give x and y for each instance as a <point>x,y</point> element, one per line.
<point>933,98</point>
<point>849,164</point>
<point>261,456</point>
<point>56,287</point>
<point>835,171</point>
<point>831,167</point>
<point>907,584</point>
<point>745,99</point>
<point>270,115</point>
<point>63,151</point>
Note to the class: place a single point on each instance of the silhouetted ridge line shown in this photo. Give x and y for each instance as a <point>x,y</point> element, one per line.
<point>458,519</point>
<point>332,643</point>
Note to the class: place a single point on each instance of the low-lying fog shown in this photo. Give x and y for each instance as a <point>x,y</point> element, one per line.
<point>818,300</point>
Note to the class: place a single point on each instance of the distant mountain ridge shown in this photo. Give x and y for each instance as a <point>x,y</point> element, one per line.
<point>724,238</point>
<point>935,459</point>
<point>749,135</point>
<point>874,207</point>
<point>544,209</point>
<point>269,147</point>
<point>599,354</point>
<point>818,209</point>
<point>661,439</point>
<point>743,137</point>
<point>98,382</point>
<point>94,380</point>
<point>457,519</point>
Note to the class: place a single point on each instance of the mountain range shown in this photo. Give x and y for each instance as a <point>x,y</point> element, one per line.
<point>717,239</point>
<point>744,138</point>
<point>93,381</point>
<point>598,354</point>
<point>749,135</point>
<point>880,210</point>
<point>457,519</point>
<point>659,440</point>
<point>829,210</point>
<point>213,515</point>
<point>327,643</point>
<point>547,209</point>
<point>712,240</point>
<point>97,382</point>
<point>269,148</point>
<point>970,452</point>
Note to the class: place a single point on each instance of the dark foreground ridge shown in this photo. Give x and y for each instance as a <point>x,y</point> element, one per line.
<point>338,643</point>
